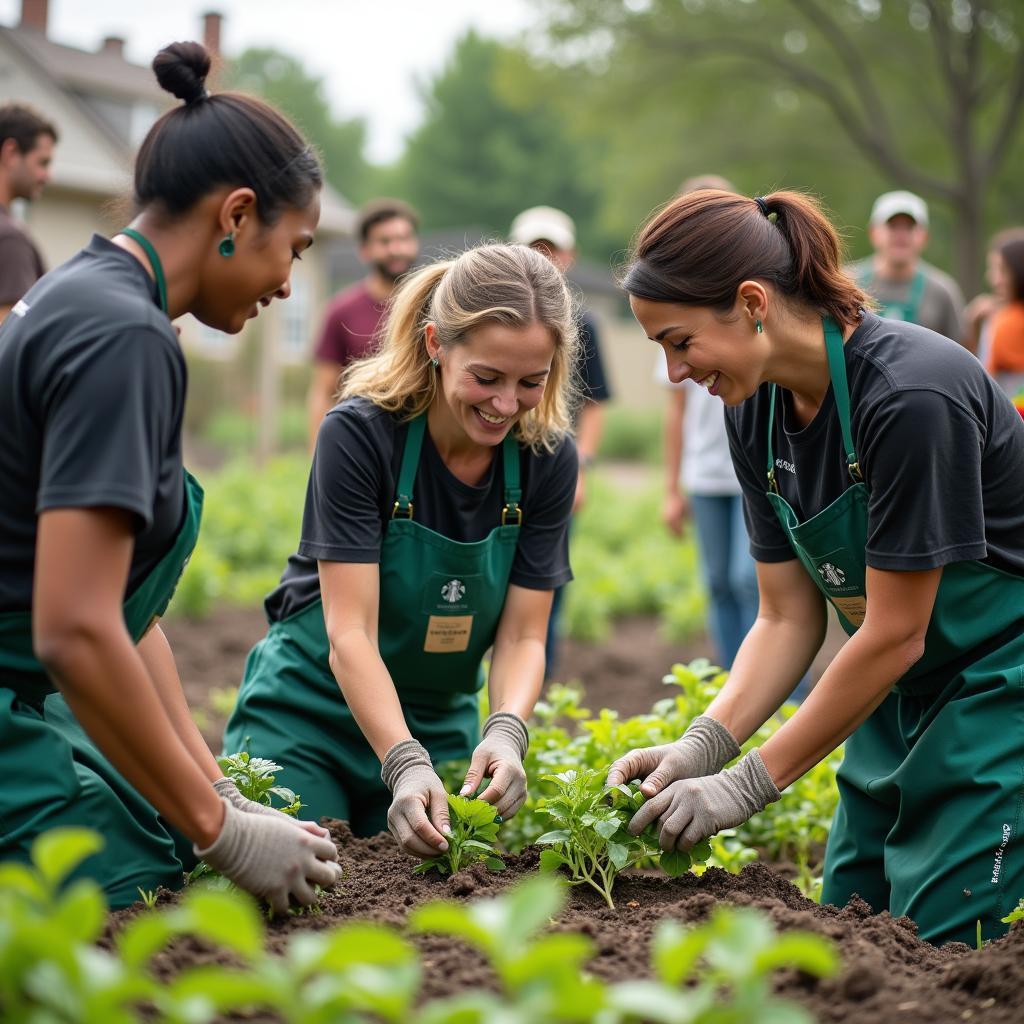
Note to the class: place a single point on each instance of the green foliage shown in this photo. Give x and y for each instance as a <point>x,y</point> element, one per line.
<point>479,158</point>
<point>591,839</point>
<point>256,778</point>
<point>1017,914</point>
<point>631,435</point>
<point>51,969</point>
<point>474,829</point>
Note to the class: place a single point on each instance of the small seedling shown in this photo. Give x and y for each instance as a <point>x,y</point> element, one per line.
<point>474,829</point>
<point>255,778</point>
<point>593,841</point>
<point>1015,915</point>
<point>148,897</point>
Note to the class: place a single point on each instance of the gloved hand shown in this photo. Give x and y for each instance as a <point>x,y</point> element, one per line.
<point>690,810</point>
<point>227,788</point>
<point>417,792</point>
<point>704,749</point>
<point>271,858</point>
<point>499,757</point>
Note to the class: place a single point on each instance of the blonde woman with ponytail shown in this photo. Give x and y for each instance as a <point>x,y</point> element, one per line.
<point>435,527</point>
<point>880,468</point>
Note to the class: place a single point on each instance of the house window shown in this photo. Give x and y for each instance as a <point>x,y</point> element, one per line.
<point>295,317</point>
<point>142,117</point>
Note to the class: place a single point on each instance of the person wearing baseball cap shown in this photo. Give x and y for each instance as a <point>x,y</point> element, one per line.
<point>904,285</point>
<point>553,233</point>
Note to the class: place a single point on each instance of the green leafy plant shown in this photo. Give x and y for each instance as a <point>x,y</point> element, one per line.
<point>474,830</point>
<point>148,897</point>
<point>1017,914</point>
<point>592,841</point>
<point>256,779</point>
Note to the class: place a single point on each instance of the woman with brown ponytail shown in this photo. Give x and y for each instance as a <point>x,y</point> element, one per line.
<point>880,468</point>
<point>436,526</point>
<point>98,516</point>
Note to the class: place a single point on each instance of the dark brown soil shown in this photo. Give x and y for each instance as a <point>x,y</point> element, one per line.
<point>888,974</point>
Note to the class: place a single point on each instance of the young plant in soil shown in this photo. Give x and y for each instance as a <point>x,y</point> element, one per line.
<point>592,840</point>
<point>256,779</point>
<point>474,830</point>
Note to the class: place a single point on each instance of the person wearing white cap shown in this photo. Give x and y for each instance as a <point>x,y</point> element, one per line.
<point>904,285</point>
<point>553,233</point>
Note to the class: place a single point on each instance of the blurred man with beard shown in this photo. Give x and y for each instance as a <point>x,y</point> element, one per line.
<point>26,150</point>
<point>388,245</point>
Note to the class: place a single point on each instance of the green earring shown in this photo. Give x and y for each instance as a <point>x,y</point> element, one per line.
<point>227,245</point>
<point>435,363</point>
<point>759,326</point>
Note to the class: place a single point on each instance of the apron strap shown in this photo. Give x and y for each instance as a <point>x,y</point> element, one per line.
<point>407,474</point>
<point>513,493</point>
<point>914,298</point>
<point>511,514</point>
<point>154,262</point>
<point>841,390</point>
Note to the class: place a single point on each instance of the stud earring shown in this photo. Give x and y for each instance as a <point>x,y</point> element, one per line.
<point>759,327</point>
<point>435,362</point>
<point>227,245</point>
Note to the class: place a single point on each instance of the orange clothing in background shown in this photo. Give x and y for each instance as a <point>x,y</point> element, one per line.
<point>1007,351</point>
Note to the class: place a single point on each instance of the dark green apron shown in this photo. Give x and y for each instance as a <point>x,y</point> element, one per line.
<point>909,309</point>
<point>440,603</point>
<point>61,776</point>
<point>932,784</point>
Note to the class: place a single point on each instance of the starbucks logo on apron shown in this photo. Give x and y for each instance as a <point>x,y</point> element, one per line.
<point>453,591</point>
<point>831,574</point>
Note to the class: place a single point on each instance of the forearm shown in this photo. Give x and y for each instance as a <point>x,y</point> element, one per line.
<point>158,658</point>
<point>672,445</point>
<point>105,683</point>
<point>369,690</point>
<point>517,676</point>
<point>774,655</point>
<point>858,680</point>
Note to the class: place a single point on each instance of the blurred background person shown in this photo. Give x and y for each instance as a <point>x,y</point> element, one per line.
<point>980,310</point>
<point>1004,358</point>
<point>26,151</point>
<point>553,233</point>
<point>904,285</point>
<point>700,482</point>
<point>388,245</point>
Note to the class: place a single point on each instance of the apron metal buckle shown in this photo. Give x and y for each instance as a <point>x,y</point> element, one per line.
<point>512,510</point>
<point>772,485</point>
<point>854,468</point>
<point>400,512</point>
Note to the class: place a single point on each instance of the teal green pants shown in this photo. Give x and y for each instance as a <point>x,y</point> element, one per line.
<point>931,804</point>
<point>290,709</point>
<point>55,776</point>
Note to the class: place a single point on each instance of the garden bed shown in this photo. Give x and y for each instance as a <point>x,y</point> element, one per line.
<point>888,974</point>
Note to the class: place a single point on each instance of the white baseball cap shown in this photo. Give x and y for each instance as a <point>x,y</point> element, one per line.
<point>891,204</point>
<point>544,224</point>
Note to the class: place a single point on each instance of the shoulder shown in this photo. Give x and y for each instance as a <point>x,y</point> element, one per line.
<point>353,297</point>
<point>358,417</point>
<point>941,280</point>
<point>561,461</point>
<point>1009,318</point>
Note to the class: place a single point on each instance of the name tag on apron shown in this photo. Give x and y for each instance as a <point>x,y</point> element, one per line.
<point>448,634</point>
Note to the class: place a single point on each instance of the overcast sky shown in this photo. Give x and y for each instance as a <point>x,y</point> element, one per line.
<point>370,53</point>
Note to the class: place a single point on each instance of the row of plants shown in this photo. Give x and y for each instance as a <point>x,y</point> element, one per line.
<point>57,964</point>
<point>624,561</point>
<point>571,750</point>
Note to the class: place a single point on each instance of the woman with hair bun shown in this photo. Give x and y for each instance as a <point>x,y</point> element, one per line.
<point>98,516</point>
<point>436,526</point>
<point>880,468</point>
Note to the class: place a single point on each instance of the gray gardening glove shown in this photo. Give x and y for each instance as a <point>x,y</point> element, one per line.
<point>693,809</point>
<point>704,749</point>
<point>416,792</point>
<point>226,788</point>
<point>271,858</point>
<point>499,757</point>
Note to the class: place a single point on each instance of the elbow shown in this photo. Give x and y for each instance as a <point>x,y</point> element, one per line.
<point>62,645</point>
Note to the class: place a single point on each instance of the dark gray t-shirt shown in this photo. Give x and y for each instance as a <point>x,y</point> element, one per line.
<point>92,391</point>
<point>940,446</point>
<point>351,495</point>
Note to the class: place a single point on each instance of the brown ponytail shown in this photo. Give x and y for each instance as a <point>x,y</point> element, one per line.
<point>699,248</point>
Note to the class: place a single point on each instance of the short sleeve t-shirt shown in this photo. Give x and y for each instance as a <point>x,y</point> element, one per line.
<point>940,447</point>
<point>92,393</point>
<point>351,495</point>
<point>942,303</point>
<point>20,263</point>
<point>1006,352</point>
<point>352,326</point>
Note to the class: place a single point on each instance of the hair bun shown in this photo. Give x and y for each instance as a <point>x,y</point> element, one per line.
<point>181,69</point>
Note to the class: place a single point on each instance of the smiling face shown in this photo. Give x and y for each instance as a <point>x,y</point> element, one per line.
<point>727,356</point>
<point>491,380</point>
<point>235,288</point>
